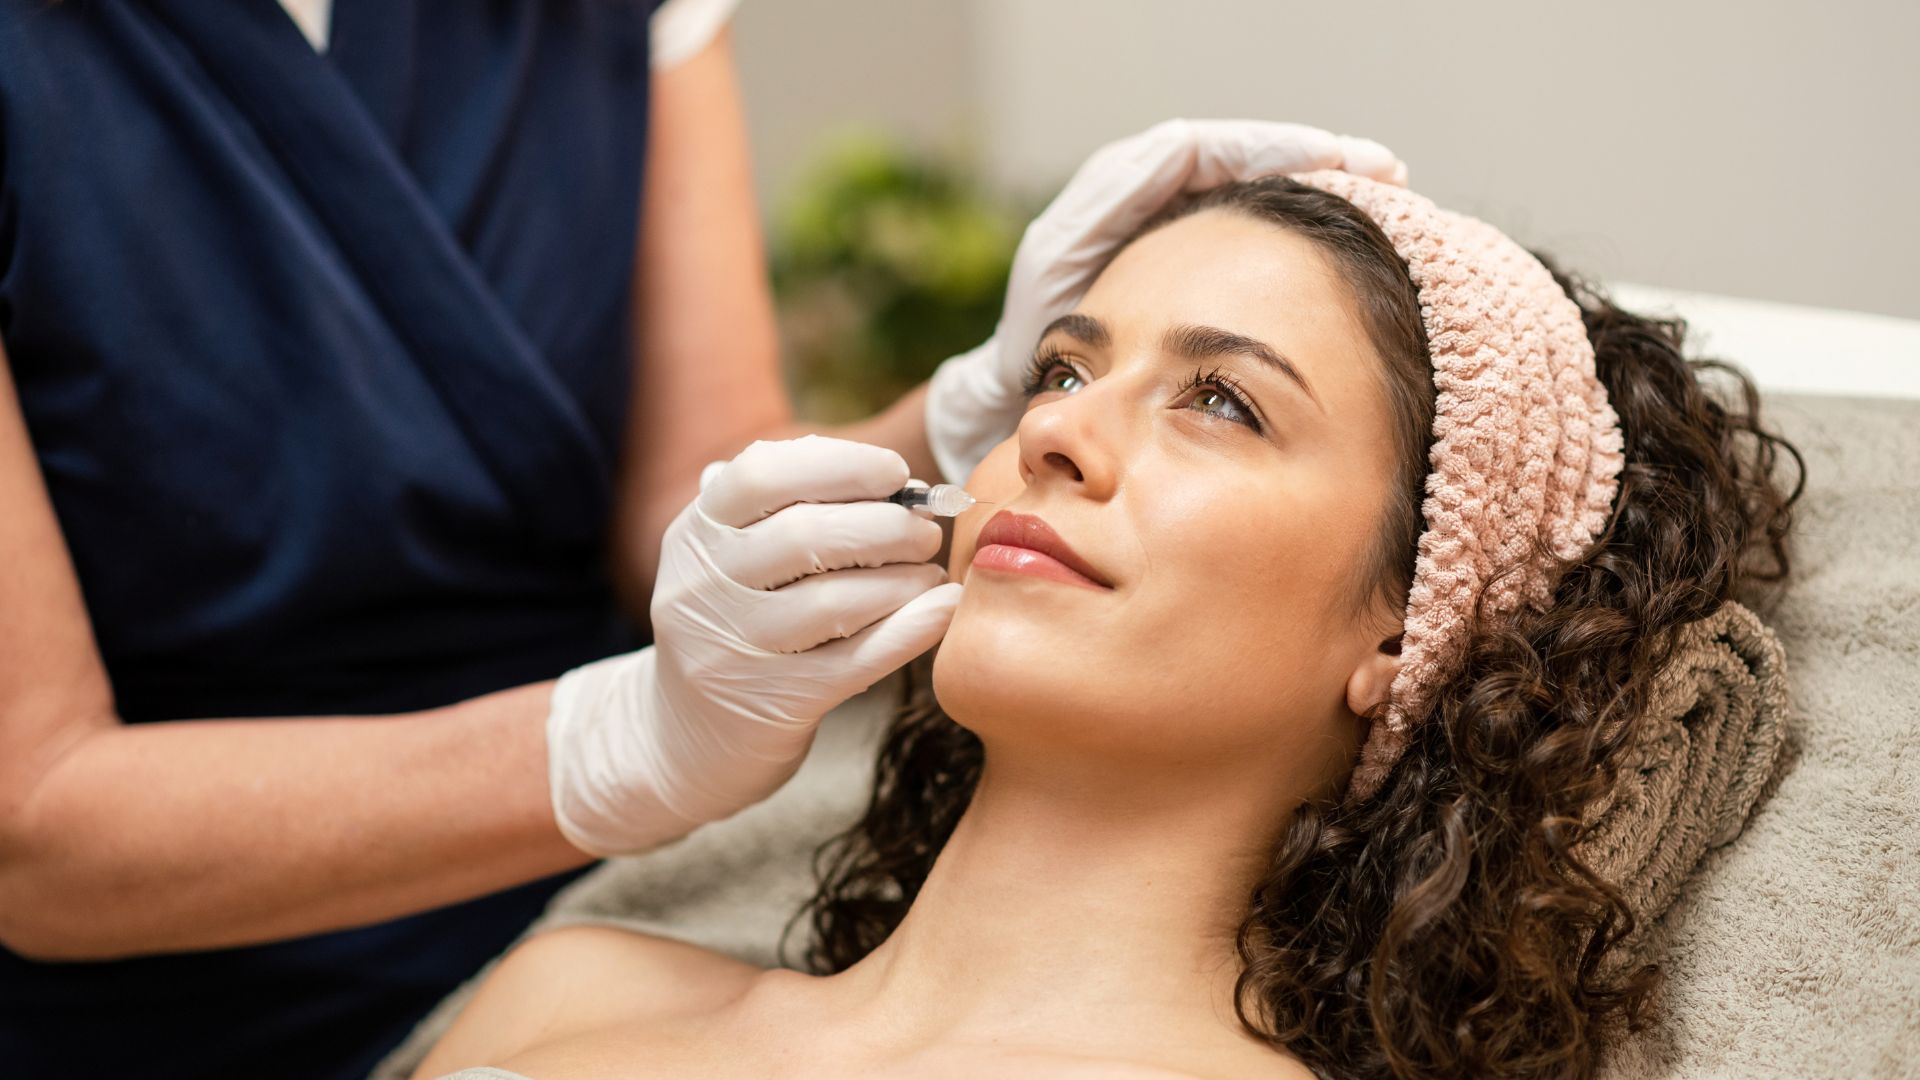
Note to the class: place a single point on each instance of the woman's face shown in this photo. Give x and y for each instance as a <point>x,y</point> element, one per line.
<point>1217,510</point>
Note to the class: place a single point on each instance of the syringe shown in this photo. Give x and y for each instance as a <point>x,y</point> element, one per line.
<point>940,500</point>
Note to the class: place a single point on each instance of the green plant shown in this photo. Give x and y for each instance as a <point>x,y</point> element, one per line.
<point>886,260</point>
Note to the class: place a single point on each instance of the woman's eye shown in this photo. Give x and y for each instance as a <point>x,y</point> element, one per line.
<point>1063,379</point>
<point>1054,378</point>
<point>1212,399</point>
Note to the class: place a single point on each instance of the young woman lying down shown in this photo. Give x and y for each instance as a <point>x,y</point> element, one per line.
<point>1319,593</point>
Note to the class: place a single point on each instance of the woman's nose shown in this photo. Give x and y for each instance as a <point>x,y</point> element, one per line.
<point>1065,441</point>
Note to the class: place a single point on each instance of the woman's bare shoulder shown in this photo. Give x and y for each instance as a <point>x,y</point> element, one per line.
<point>1239,1060</point>
<point>649,971</point>
<point>1274,1067</point>
<point>579,979</point>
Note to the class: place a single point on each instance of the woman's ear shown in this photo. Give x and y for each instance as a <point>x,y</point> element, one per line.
<point>1373,677</point>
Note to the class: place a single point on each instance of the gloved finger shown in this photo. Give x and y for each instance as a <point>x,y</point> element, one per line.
<point>1128,180</point>
<point>870,655</point>
<point>768,476</point>
<point>836,604</point>
<point>1364,157</point>
<point>810,538</point>
<point>1123,184</point>
<point>1228,150</point>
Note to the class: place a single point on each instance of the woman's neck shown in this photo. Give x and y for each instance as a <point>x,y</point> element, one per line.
<point>1095,903</point>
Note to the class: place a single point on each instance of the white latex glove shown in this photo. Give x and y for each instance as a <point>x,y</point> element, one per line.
<point>975,398</point>
<point>784,590</point>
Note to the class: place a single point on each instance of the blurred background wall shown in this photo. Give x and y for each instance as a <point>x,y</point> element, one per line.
<point>1765,149</point>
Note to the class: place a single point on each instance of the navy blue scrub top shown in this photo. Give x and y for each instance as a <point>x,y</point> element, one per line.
<point>324,358</point>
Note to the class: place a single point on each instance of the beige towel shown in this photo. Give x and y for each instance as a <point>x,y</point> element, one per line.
<point>1706,754</point>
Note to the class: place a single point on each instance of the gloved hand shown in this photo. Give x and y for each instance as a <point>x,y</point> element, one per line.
<point>975,398</point>
<point>783,591</point>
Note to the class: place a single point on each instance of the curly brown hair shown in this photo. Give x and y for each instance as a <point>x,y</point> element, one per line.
<point>1447,926</point>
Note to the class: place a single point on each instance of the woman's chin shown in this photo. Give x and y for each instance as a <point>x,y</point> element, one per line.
<point>1014,680</point>
<point>987,672</point>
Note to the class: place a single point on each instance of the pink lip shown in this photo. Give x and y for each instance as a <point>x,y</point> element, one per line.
<point>1024,544</point>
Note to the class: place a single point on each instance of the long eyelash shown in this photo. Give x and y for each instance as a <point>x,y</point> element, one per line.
<point>1223,381</point>
<point>1044,358</point>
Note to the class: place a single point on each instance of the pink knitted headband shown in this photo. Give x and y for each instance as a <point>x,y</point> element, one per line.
<point>1525,442</point>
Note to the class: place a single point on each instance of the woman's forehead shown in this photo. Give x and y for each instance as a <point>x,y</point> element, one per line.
<point>1225,270</point>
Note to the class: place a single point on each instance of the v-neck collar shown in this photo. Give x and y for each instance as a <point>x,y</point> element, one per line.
<point>371,47</point>
<point>514,409</point>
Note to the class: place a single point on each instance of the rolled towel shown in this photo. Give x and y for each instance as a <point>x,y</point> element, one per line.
<point>1703,760</point>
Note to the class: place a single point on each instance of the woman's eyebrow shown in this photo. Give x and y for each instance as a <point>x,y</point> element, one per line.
<point>1085,328</point>
<point>1206,342</point>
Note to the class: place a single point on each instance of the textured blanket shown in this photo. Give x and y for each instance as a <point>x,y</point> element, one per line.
<point>1775,852</point>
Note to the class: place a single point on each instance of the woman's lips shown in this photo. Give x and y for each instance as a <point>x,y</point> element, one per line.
<point>1024,544</point>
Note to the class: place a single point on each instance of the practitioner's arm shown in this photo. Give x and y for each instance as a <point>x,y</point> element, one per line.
<point>706,364</point>
<point>117,839</point>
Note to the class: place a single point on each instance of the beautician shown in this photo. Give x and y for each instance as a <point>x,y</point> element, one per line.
<point>356,388</point>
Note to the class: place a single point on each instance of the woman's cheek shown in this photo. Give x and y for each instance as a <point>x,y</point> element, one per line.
<point>1225,539</point>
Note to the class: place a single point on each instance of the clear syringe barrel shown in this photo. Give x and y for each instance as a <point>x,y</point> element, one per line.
<point>940,500</point>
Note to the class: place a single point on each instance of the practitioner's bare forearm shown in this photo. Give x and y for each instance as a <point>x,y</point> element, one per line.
<point>201,834</point>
